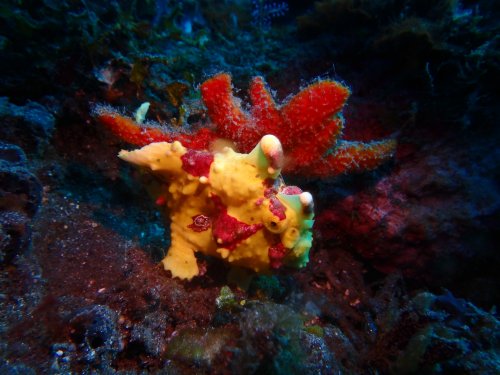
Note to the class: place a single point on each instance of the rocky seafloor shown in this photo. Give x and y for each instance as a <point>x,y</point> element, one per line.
<point>403,276</point>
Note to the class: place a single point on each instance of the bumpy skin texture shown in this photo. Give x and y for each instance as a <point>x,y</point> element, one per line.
<point>309,124</point>
<point>229,205</point>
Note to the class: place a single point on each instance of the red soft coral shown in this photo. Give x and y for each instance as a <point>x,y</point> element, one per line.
<point>309,126</point>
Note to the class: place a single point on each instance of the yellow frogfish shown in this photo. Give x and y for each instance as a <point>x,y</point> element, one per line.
<point>229,205</point>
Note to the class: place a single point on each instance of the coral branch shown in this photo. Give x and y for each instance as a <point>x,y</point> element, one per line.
<point>264,110</point>
<point>131,132</point>
<point>303,157</point>
<point>310,108</point>
<point>226,113</point>
<point>143,134</point>
<point>353,157</point>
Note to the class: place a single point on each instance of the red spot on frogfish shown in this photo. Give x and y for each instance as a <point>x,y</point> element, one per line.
<point>277,208</point>
<point>200,223</point>
<point>276,254</point>
<point>291,190</point>
<point>227,230</point>
<point>161,200</point>
<point>270,187</point>
<point>197,163</point>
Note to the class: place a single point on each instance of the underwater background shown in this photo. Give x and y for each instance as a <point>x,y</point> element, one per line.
<point>403,276</point>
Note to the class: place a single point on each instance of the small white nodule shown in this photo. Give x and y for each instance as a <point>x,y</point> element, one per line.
<point>270,144</point>
<point>273,151</point>
<point>306,200</point>
<point>140,114</point>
